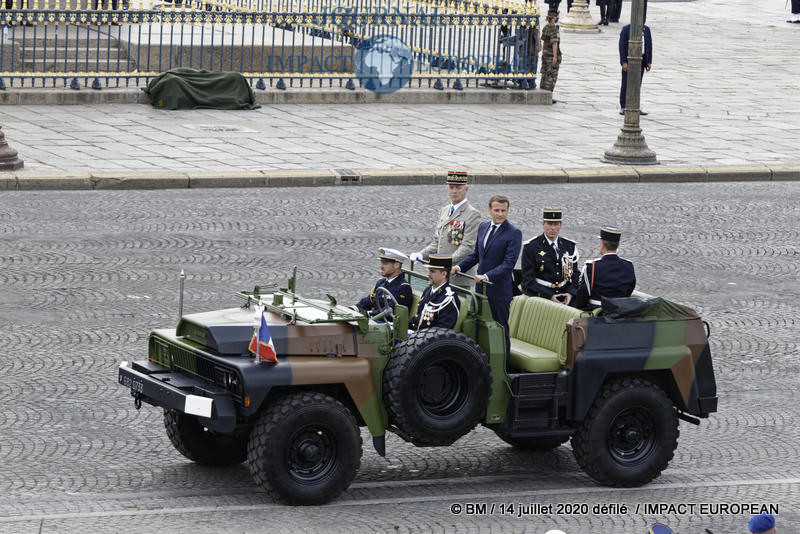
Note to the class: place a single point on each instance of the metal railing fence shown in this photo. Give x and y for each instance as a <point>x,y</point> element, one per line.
<point>280,43</point>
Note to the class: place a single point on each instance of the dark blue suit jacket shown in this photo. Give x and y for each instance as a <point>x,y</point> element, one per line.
<point>496,260</point>
<point>647,53</point>
<point>609,276</point>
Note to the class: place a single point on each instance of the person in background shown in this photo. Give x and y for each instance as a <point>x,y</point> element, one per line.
<point>762,524</point>
<point>647,60</point>
<point>551,52</point>
<point>795,18</point>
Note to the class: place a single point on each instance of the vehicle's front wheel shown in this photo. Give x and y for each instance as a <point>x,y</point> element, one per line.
<point>629,435</point>
<point>305,448</point>
<point>202,446</point>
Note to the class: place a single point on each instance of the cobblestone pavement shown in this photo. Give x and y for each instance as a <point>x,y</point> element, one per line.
<point>85,275</point>
<point>717,95</point>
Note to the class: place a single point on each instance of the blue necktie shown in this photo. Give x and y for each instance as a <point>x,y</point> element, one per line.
<point>489,237</point>
<point>452,209</point>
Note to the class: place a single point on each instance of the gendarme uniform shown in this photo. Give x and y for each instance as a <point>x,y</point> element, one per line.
<point>456,230</point>
<point>548,269</point>
<point>438,306</point>
<point>607,276</point>
<point>550,35</point>
<point>397,286</point>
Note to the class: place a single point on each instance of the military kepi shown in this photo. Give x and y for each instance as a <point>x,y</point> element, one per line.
<point>551,215</point>
<point>390,254</point>
<point>457,177</point>
<point>761,523</point>
<point>441,261</point>
<point>610,233</point>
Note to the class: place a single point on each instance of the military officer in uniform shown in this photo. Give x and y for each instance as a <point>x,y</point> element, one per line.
<point>439,303</point>
<point>457,228</point>
<point>550,262</point>
<point>607,276</point>
<point>393,280</point>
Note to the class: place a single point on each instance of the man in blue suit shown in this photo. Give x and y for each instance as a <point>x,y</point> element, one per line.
<point>647,59</point>
<point>496,252</point>
<point>608,276</point>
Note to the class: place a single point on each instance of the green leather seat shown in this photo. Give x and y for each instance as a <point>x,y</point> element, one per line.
<point>536,328</point>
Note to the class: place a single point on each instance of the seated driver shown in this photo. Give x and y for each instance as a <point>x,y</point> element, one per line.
<point>393,280</point>
<point>439,303</point>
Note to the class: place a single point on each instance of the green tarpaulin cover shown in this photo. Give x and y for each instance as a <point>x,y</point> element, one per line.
<point>184,88</point>
<point>653,309</point>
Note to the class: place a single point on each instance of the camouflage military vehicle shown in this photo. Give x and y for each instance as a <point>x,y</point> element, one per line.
<point>616,383</point>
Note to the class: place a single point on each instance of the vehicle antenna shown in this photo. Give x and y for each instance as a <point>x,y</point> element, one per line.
<point>180,300</point>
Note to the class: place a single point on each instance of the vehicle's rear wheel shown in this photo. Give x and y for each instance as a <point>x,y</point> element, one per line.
<point>305,448</point>
<point>436,386</point>
<point>540,444</point>
<point>202,446</point>
<point>629,435</point>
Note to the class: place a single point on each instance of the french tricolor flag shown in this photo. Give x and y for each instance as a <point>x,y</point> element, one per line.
<point>261,344</point>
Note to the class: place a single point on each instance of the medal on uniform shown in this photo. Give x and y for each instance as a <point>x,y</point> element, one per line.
<point>541,267</point>
<point>542,253</point>
<point>455,232</point>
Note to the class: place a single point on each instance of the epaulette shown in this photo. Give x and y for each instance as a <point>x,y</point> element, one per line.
<point>529,241</point>
<point>448,291</point>
<point>405,284</point>
<point>568,240</point>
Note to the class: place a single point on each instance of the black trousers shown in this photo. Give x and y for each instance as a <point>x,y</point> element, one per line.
<point>615,11</point>
<point>796,7</point>
<point>623,91</point>
<point>500,309</point>
<point>555,4</point>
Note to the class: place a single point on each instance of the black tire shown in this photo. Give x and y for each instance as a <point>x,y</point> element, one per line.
<point>436,386</point>
<point>629,435</point>
<point>540,444</point>
<point>202,446</point>
<point>305,448</point>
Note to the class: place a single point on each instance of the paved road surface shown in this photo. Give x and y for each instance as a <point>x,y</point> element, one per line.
<point>85,275</point>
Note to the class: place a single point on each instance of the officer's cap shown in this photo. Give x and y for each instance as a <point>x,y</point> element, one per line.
<point>457,177</point>
<point>610,233</point>
<point>551,215</point>
<point>390,254</point>
<point>761,523</point>
<point>441,261</point>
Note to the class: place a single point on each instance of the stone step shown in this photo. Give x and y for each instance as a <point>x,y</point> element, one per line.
<point>61,39</point>
<point>71,66</point>
<point>92,54</point>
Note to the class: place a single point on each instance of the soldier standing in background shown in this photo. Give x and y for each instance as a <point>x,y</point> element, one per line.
<point>457,228</point>
<point>551,52</point>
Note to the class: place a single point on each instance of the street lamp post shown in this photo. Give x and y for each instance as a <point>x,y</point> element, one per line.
<point>631,148</point>
<point>8,156</point>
